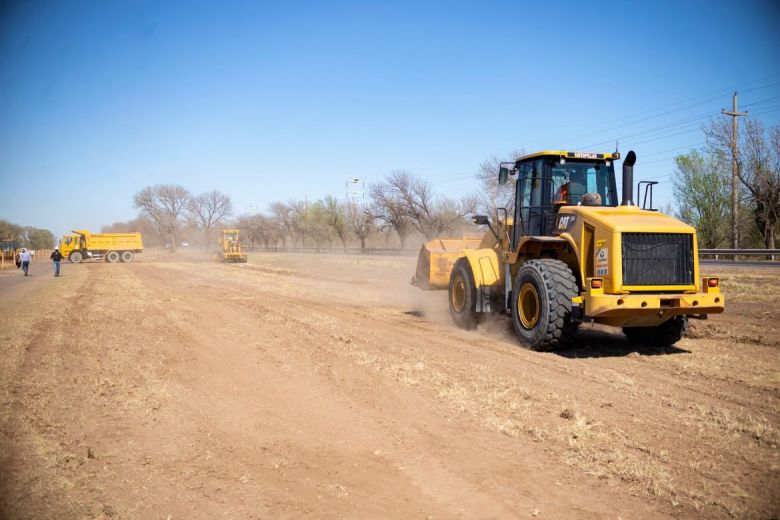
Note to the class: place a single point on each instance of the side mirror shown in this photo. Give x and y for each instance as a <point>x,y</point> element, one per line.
<point>503,175</point>
<point>481,220</point>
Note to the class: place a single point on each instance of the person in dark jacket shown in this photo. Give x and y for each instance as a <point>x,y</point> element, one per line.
<point>56,259</point>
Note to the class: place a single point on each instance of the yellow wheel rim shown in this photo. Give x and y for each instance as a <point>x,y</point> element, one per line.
<point>528,306</point>
<point>458,294</point>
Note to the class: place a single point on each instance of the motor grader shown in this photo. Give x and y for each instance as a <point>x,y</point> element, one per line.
<point>231,247</point>
<point>572,254</point>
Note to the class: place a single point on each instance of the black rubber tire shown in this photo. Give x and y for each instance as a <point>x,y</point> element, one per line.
<point>75,257</point>
<point>112,257</point>
<point>461,278</point>
<point>666,334</point>
<point>555,286</point>
<point>126,256</point>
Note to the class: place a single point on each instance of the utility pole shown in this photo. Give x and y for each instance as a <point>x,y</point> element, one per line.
<point>734,169</point>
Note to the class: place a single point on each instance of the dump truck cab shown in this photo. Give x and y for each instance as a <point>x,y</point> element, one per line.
<point>70,243</point>
<point>572,253</point>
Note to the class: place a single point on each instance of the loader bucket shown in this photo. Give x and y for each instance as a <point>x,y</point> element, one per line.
<point>437,258</point>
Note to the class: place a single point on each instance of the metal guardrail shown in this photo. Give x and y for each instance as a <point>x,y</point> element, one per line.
<point>773,254</point>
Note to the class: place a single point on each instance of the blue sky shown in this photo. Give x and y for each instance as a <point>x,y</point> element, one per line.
<point>282,100</point>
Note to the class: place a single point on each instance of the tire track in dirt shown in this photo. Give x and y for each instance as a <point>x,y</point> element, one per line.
<point>657,421</point>
<point>205,390</point>
<point>422,452</point>
<point>30,481</point>
<point>292,309</point>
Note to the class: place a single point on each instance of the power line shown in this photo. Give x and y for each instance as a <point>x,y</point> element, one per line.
<point>700,100</point>
<point>458,174</point>
<point>762,101</point>
<point>651,131</point>
<point>689,146</point>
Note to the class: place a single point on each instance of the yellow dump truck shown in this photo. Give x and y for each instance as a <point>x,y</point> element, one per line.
<point>571,254</point>
<point>111,247</point>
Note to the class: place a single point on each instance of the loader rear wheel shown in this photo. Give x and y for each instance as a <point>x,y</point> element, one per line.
<point>112,257</point>
<point>541,304</point>
<point>463,295</point>
<point>76,257</point>
<point>666,334</point>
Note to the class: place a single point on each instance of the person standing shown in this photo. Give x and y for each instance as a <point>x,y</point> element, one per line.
<point>56,258</point>
<point>25,257</point>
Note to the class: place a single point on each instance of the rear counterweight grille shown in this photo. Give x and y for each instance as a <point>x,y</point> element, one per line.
<point>657,259</point>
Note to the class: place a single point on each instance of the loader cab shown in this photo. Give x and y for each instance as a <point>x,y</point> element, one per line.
<point>230,241</point>
<point>547,181</point>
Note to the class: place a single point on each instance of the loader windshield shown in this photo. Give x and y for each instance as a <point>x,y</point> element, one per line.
<point>573,179</point>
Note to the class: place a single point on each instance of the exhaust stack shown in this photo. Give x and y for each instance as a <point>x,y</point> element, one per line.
<point>628,179</point>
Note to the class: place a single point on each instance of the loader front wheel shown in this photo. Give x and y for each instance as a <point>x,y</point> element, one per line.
<point>541,304</point>
<point>463,295</point>
<point>666,334</point>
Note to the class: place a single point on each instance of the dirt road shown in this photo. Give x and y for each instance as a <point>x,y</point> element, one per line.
<point>325,386</point>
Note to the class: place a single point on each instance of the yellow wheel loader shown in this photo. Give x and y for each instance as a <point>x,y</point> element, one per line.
<point>231,247</point>
<point>572,254</point>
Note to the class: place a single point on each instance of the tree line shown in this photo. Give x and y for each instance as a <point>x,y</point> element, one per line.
<point>397,208</point>
<point>26,236</point>
<point>402,206</point>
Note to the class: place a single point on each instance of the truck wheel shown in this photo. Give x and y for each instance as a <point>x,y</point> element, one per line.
<point>112,257</point>
<point>463,295</point>
<point>663,335</point>
<point>127,256</point>
<point>76,257</point>
<point>541,304</point>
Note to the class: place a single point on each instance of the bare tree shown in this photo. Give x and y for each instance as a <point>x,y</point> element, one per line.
<point>388,207</point>
<point>165,205</point>
<point>432,217</point>
<point>290,215</point>
<point>335,216</point>
<point>261,229</point>
<point>207,210</point>
<point>360,222</point>
<point>761,176</point>
<point>757,169</point>
<point>491,194</point>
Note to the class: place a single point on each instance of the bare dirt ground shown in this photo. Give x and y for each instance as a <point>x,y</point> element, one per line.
<point>325,386</point>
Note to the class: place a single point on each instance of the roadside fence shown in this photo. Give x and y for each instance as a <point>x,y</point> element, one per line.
<point>770,254</point>
<point>389,251</point>
<point>8,260</point>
